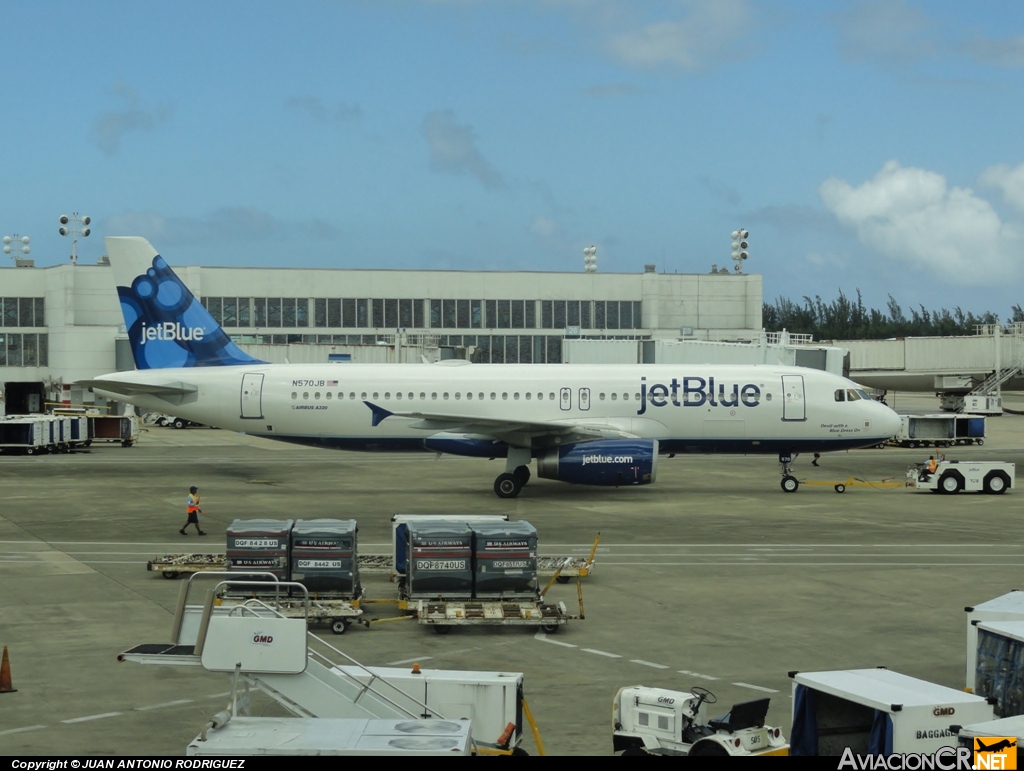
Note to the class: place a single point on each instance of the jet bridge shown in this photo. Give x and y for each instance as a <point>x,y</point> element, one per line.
<point>311,678</point>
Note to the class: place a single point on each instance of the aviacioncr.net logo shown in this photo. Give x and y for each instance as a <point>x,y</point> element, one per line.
<point>171,330</point>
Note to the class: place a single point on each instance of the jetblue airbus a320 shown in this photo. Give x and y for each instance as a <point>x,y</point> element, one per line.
<point>584,424</point>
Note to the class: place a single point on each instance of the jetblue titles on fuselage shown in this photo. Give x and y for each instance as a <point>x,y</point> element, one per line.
<point>696,391</point>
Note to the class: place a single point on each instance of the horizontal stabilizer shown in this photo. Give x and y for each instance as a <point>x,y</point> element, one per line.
<point>175,393</point>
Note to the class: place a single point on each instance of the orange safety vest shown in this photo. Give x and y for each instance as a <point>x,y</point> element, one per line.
<point>193,504</point>
<point>932,465</point>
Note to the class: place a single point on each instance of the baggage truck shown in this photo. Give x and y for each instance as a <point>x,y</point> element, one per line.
<point>24,434</point>
<point>877,711</point>
<point>999,672</point>
<point>1006,607</point>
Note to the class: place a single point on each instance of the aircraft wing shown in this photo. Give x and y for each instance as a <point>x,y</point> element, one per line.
<point>518,432</point>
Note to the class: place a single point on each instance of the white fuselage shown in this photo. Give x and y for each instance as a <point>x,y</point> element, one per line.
<point>688,408</point>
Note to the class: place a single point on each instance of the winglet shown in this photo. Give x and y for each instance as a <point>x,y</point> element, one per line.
<point>378,413</point>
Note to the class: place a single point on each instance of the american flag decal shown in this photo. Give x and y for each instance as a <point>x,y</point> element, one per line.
<point>332,382</point>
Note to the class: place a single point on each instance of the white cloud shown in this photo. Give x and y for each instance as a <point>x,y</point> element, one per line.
<point>1002,52</point>
<point>886,31</point>
<point>707,35</point>
<point>110,127</point>
<point>452,149</point>
<point>1009,181</point>
<point>911,215</point>
<point>543,227</point>
<point>229,223</point>
<point>322,113</point>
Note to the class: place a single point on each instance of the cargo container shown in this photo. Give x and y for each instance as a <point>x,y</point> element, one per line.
<point>400,533</point>
<point>504,560</point>
<point>439,559</point>
<point>324,556</point>
<point>260,545</point>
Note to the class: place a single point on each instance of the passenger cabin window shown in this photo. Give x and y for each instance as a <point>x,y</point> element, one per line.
<point>840,395</point>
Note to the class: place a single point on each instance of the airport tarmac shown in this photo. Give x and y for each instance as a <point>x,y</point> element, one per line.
<point>712,576</point>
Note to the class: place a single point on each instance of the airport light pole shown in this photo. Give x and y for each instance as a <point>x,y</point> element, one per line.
<point>739,247</point>
<point>14,250</point>
<point>78,226</point>
<point>590,259</point>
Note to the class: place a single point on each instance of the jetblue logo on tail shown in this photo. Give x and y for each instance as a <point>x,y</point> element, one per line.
<point>168,327</point>
<point>170,330</point>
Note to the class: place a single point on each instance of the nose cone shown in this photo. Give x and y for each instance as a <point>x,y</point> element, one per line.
<point>889,422</point>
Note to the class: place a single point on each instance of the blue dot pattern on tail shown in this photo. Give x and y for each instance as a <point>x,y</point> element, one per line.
<point>168,327</point>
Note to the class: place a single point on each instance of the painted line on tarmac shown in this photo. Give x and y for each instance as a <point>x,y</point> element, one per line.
<point>91,717</point>
<point>643,663</point>
<point>21,730</point>
<point>696,674</point>
<point>165,704</point>
<point>756,687</point>
<point>408,661</point>
<point>601,653</point>
<point>544,637</point>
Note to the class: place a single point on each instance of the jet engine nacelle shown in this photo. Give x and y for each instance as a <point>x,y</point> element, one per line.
<point>602,462</point>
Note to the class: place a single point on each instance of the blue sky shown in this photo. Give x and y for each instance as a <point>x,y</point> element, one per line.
<point>865,145</point>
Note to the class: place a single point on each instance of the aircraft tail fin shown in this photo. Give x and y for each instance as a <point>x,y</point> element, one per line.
<point>167,326</point>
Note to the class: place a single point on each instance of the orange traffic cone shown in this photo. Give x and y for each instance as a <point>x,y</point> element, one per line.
<point>5,674</point>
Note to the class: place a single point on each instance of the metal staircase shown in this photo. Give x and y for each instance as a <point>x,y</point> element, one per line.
<point>996,379</point>
<point>267,651</point>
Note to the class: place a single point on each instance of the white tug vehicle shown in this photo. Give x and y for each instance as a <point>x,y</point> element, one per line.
<point>655,721</point>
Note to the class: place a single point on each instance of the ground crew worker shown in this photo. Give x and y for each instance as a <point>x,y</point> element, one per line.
<point>193,510</point>
<point>929,468</point>
<point>814,462</point>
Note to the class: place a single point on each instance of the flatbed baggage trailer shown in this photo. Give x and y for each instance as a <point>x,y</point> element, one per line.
<point>336,613</point>
<point>174,565</point>
<point>442,615</point>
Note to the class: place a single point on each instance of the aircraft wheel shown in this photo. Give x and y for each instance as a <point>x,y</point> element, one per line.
<point>507,486</point>
<point>522,473</point>
<point>790,484</point>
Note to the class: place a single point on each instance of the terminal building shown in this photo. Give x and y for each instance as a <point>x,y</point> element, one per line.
<point>62,324</point>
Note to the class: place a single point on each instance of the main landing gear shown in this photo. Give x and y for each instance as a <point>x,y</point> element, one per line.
<point>790,484</point>
<point>517,473</point>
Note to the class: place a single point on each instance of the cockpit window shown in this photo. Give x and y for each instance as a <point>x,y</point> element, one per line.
<point>864,394</point>
<point>852,395</point>
<point>840,395</point>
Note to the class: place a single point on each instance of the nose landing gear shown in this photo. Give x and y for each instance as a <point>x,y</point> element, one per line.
<point>790,484</point>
